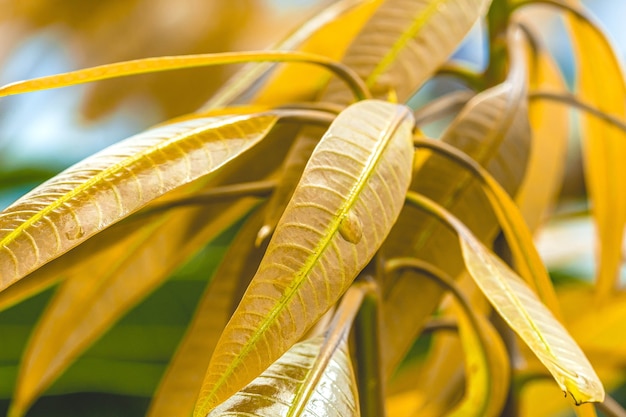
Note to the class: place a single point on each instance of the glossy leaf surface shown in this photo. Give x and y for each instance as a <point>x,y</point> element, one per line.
<point>357,175</point>
<point>276,392</point>
<point>404,43</point>
<point>101,190</point>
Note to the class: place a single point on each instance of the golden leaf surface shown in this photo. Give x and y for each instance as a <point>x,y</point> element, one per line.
<point>139,257</point>
<point>404,43</point>
<point>533,322</point>
<point>108,186</point>
<point>361,169</point>
<point>522,310</point>
<point>493,130</point>
<point>600,82</point>
<point>330,384</point>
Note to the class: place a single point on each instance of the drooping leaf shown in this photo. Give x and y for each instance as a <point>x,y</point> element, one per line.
<point>404,43</point>
<point>534,323</point>
<point>179,388</point>
<point>493,130</point>
<point>357,175</point>
<point>110,185</point>
<point>549,123</point>
<point>330,36</point>
<point>93,297</point>
<point>486,360</point>
<point>521,309</point>
<point>600,82</point>
<point>276,391</point>
<point>323,383</point>
<point>519,238</point>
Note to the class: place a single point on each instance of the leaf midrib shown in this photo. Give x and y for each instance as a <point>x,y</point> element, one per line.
<point>106,173</point>
<point>299,279</point>
<point>417,25</point>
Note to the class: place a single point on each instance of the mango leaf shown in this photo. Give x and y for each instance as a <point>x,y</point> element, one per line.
<point>600,82</point>
<point>108,186</point>
<point>179,388</point>
<point>319,380</point>
<point>491,129</point>
<point>519,238</point>
<point>524,313</point>
<point>487,366</point>
<point>403,44</point>
<point>357,175</point>
<point>549,123</point>
<point>534,323</point>
<point>91,299</point>
<point>327,33</point>
<point>330,384</point>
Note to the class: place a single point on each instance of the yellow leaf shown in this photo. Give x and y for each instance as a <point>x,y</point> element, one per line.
<point>360,169</point>
<point>521,309</point>
<point>108,186</point>
<point>179,388</point>
<point>600,82</point>
<point>403,44</point>
<point>492,129</point>
<point>93,297</point>
<point>549,123</point>
<point>330,384</point>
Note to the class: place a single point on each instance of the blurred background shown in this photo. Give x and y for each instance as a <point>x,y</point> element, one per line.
<point>43,133</point>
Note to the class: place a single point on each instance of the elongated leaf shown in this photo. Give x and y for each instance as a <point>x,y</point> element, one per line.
<point>519,238</point>
<point>526,315</point>
<point>311,385</point>
<point>533,322</point>
<point>550,123</point>
<point>110,185</point>
<point>181,383</point>
<point>492,129</point>
<point>600,82</point>
<point>277,391</point>
<point>357,175</point>
<point>404,43</point>
<point>94,297</point>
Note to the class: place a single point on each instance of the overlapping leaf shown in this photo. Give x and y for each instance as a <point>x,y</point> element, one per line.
<point>492,129</point>
<point>405,42</point>
<point>181,383</point>
<point>549,122</point>
<point>534,323</point>
<point>357,175</point>
<point>106,187</point>
<point>330,384</point>
<point>93,297</point>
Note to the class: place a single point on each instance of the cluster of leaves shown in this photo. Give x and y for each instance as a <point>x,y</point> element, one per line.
<point>358,237</point>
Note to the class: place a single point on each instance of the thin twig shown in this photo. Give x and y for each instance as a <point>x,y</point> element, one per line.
<point>571,100</point>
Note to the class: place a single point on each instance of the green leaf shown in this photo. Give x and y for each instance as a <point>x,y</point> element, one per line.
<point>108,186</point>
<point>357,175</point>
<point>404,43</point>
